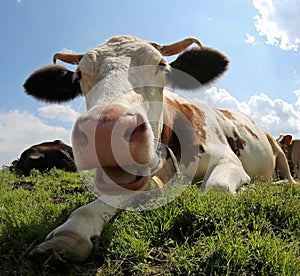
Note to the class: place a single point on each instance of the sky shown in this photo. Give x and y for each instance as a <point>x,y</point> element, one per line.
<point>260,37</point>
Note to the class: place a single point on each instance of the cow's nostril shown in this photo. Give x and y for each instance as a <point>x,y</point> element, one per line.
<point>132,133</point>
<point>81,138</point>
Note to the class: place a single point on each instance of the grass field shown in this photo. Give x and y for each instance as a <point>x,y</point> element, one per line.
<point>255,233</point>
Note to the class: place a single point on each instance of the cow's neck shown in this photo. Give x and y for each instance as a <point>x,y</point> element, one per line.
<point>181,117</point>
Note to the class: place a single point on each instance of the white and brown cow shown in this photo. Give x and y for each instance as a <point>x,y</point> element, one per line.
<point>45,156</point>
<point>131,116</point>
<point>291,148</point>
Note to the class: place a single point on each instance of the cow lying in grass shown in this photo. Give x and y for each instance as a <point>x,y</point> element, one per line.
<point>136,132</point>
<point>291,148</point>
<point>45,156</point>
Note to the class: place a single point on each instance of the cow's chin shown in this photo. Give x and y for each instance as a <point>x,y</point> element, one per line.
<point>117,180</point>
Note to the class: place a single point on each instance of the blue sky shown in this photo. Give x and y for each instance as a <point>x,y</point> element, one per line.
<point>261,38</point>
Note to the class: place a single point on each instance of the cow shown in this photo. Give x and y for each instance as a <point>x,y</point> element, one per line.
<point>45,156</point>
<point>291,148</point>
<point>137,132</point>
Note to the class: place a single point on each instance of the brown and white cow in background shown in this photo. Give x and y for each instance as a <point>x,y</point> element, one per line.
<point>291,149</point>
<point>132,120</point>
<point>45,156</point>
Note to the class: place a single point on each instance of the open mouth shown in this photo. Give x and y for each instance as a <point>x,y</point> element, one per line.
<point>112,180</point>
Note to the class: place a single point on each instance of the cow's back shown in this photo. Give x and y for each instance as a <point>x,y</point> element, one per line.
<point>295,156</point>
<point>46,156</point>
<point>295,152</point>
<point>249,143</point>
<point>231,136</point>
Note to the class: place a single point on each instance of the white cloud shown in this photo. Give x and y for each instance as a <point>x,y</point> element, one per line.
<point>279,22</point>
<point>63,113</point>
<point>250,39</point>
<point>67,51</point>
<point>297,93</point>
<point>20,129</point>
<point>275,116</point>
<point>296,77</point>
<point>220,98</point>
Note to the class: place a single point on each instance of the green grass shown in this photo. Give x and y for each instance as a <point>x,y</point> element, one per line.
<point>254,233</point>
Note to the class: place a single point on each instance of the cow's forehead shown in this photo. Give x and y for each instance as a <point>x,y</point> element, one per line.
<point>118,54</point>
<point>124,44</point>
<point>122,47</point>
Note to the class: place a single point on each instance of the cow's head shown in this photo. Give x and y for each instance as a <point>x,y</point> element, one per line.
<point>122,81</point>
<point>285,142</point>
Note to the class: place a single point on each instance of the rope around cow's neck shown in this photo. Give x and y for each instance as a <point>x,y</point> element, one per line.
<point>169,155</point>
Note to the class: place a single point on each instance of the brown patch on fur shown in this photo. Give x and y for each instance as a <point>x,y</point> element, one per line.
<point>192,134</point>
<point>220,136</point>
<point>251,132</point>
<point>236,143</point>
<point>55,145</point>
<point>227,114</point>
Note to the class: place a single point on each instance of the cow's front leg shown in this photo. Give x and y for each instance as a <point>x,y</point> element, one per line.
<point>72,240</point>
<point>227,174</point>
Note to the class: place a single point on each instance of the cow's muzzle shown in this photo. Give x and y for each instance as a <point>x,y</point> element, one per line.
<point>111,139</point>
<point>119,144</point>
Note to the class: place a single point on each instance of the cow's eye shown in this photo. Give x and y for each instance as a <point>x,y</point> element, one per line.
<point>162,64</point>
<point>77,76</point>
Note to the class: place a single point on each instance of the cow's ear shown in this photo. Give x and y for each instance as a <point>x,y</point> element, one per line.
<point>52,83</point>
<point>198,66</point>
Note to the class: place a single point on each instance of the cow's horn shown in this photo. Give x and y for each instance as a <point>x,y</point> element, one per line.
<point>175,48</point>
<point>68,58</point>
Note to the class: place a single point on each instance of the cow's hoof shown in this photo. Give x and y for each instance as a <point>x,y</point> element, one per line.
<point>67,245</point>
